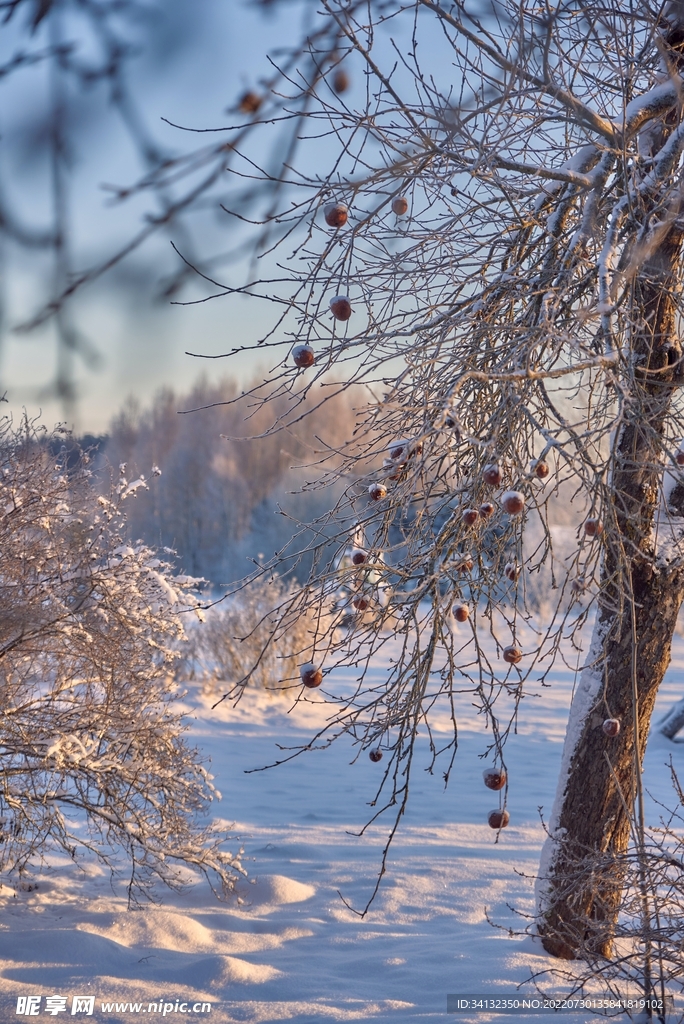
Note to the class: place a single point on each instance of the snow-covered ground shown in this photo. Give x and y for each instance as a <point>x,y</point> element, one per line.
<point>290,950</point>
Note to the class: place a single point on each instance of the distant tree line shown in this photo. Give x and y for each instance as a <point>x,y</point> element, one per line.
<point>212,487</point>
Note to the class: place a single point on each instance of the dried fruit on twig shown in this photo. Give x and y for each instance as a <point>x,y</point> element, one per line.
<point>311,675</point>
<point>375,754</point>
<point>512,654</point>
<point>359,556</point>
<point>361,602</point>
<point>593,527</point>
<point>611,726</point>
<point>249,102</point>
<point>513,502</point>
<point>461,612</point>
<point>400,205</point>
<point>540,468</point>
<point>303,356</point>
<point>393,469</point>
<point>340,307</point>
<point>494,778</point>
<point>336,215</point>
<point>470,516</point>
<point>512,570</point>
<point>377,492</point>
<point>340,81</point>
<point>498,819</point>
<point>400,451</point>
<point>491,474</point>
<point>486,510</point>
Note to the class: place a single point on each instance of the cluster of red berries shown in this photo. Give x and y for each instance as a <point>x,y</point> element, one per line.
<point>495,778</point>
<point>336,216</point>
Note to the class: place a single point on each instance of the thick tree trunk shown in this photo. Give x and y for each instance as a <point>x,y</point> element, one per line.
<point>582,867</point>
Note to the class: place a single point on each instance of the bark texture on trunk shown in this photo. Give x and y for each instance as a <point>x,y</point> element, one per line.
<point>582,870</point>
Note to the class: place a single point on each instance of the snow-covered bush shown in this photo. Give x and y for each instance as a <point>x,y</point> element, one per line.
<point>93,749</point>
<point>258,633</point>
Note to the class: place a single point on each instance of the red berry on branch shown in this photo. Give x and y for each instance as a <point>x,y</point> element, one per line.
<point>593,527</point>
<point>461,612</point>
<point>340,307</point>
<point>513,502</point>
<point>393,469</point>
<point>470,516</point>
<point>512,654</point>
<point>311,675</point>
<point>486,510</point>
<point>303,356</point>
<point>611,727</point>
<point>336,215</point>
<point>377,492</point>
<point>400,205</point>
<point>359,556</point>
<point>491,474</point>
<point>540,468</point>
<point>494,778</point>
<point>512,570</point>
<point>249,102</point>
<point>498,819</point>
<point>375,755</point>
<point>340,82</point>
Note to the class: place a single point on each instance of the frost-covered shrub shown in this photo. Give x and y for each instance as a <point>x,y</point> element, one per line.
<point>93,750</point>
<point>257,633</point>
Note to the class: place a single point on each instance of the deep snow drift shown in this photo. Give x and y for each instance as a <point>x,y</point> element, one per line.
<point>288,949</point>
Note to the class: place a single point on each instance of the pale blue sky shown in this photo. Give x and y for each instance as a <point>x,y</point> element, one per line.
<point>142,343</point>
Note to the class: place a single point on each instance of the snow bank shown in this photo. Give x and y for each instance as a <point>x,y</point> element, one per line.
<point>290,950</point>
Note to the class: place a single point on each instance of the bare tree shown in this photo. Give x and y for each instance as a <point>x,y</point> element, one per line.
<point>93,750</point>
<point>492,247</point>
<point>495,252</point>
